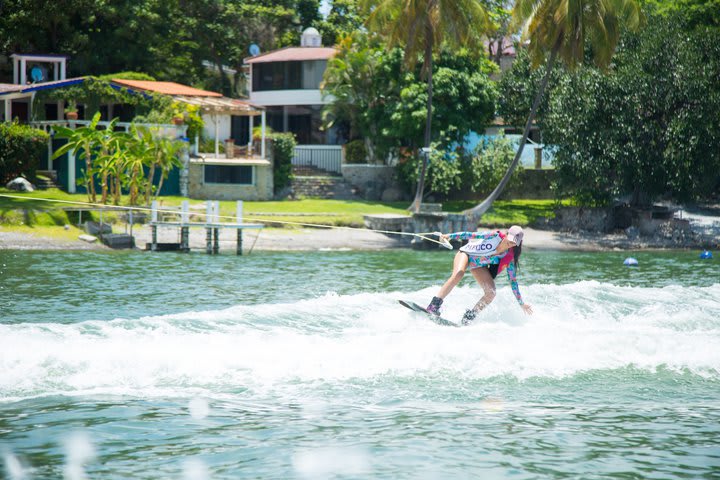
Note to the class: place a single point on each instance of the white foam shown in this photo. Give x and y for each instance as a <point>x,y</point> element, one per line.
<point>576,327</point>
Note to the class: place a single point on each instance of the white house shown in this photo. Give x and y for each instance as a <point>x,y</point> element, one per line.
<point>286,82</point>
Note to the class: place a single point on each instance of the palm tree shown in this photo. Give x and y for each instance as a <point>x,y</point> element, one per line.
<point>85,140</point>
<point>423,26</point>
<point>561,28</point>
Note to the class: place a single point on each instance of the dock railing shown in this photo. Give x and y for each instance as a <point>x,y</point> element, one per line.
<point>181,218</point>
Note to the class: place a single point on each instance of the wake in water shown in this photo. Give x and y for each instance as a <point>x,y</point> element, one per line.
<point>585,326</point>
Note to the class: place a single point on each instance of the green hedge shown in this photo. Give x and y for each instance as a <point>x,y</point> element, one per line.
<point>355,152</point>
<point>283,145</point>
<point>20,150</point>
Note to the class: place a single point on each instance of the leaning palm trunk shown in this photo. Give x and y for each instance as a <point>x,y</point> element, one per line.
<point>89,183</point>
<point>160,183</point>
<point>149,185</point>
<point>415,206</point>
<point>473,215</point>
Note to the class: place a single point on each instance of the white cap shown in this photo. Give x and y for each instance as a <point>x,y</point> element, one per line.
<point>515,234</point>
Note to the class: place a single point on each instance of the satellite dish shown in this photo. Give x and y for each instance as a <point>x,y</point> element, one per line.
<point>254,49</point>
<point>38,73</point>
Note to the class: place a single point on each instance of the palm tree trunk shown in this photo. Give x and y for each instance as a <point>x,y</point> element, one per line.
<point>415,206</point>
<point>157,192</point>
<point>477,211</point>
<point>148,188</point>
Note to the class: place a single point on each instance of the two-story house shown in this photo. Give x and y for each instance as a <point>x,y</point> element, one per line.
<point>286,82</point>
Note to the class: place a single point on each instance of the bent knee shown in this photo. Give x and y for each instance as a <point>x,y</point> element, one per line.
<point>458,274</point>
<point>489,295</point>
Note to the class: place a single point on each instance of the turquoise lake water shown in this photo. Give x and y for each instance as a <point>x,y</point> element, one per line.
<point>118,365</point>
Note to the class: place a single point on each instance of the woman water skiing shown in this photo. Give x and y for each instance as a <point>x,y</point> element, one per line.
<point>486,254</point>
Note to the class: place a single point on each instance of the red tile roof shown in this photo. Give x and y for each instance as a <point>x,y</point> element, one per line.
<point>167,88</point>
<point>294,54</point>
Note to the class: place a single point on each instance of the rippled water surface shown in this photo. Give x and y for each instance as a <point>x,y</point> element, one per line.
<point>302,365</point>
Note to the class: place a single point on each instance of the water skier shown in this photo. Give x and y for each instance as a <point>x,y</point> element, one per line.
<point>486,254</point>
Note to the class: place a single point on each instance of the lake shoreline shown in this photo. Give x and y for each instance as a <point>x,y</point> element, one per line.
<point>314,239</point>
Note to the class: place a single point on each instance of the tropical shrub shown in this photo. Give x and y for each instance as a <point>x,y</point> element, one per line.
<point>444,172</point>
<point>455,172</point>
<point>355,152</point>
<point>20,150</point>
<point>283,145</point>
<point>488,163</point>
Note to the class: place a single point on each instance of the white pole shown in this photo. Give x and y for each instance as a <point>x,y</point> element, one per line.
<point>251,123</point>
<point>71,171</point>
<point>216,214</point>
<point>208,211</point>
<point>23,73</point>
<point>217,140</point>
<point>8,110</point>
<point>239,211</point>
<point>185,209</point>
<point>50,152</point>
<point>262,142</point>
<point>154,212</point>
<point>62,69</point>
<point>16,71</point>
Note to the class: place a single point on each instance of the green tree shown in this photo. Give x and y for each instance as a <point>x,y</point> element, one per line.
<point>84,140</point>
<point>648,129</point>
<point>375,99</point>
<point>422,27</point>
<point>558,28</point>
<point>343,19</point>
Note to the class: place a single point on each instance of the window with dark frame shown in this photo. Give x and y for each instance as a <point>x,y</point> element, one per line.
<point>229,174</point>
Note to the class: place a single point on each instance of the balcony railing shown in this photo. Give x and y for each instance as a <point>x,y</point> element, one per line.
<point>326,157</point>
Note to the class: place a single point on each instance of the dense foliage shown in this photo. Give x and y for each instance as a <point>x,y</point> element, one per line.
<point>283,145</point>
<point>457,173</point>
<point>20,150</point>
<point>375,99</point>
<point>647,130</point>
<point>120,161</point>
<point>169,39</point>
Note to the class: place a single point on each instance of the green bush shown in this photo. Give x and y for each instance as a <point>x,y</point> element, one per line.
<point>283,145</point>
<point>20,150</point>
<point>355,152</point>
<point>488,164</point>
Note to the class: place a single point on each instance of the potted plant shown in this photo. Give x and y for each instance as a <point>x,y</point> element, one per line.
<point>178,119</point>
<point>71,112</point>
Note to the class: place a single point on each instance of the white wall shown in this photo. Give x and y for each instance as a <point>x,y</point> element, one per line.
<point>288,97</point>
<point>223,122</point>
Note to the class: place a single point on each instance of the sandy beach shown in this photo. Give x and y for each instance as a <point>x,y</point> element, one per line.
<point>312,239</point>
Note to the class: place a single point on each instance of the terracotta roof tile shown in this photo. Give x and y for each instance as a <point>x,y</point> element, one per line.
<point>167,88</point>
<point>294,54</point>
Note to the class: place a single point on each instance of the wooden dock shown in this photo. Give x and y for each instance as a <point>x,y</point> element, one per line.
<point>212,226</point>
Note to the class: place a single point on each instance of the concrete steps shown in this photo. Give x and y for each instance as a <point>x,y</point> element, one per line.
<point>323,187</point>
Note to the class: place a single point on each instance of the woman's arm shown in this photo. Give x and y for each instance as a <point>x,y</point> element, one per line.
<point>512,276</point>
<point>470,235</point>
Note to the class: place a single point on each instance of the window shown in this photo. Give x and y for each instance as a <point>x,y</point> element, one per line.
<point>231,174</point>
<point>288,75</point>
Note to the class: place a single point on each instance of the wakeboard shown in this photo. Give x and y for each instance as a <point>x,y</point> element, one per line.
<point>433,318</point>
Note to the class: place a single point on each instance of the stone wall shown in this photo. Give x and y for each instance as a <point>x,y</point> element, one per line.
<point>373,182</point>
<point>261,190</point>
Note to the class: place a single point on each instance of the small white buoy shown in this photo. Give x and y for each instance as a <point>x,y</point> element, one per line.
<point>631,262</point>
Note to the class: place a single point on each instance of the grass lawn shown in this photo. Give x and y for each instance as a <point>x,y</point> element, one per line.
<point>45,208</point>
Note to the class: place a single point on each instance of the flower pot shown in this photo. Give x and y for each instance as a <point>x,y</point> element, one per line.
<point>177,120</point>
<point>71,115</point>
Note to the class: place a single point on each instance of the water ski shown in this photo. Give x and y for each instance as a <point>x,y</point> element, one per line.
<point>435,318</point>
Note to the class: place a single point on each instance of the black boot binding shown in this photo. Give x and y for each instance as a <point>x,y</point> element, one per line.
<point>434,307</point>
<point>469,317</point>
